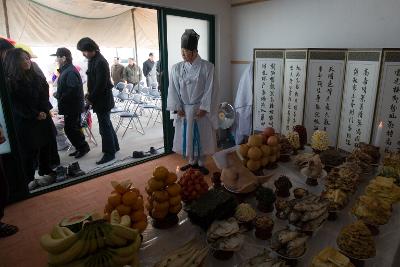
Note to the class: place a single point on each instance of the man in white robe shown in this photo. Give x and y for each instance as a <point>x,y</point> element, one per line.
<point>192,99</point>
<point>244,106</point>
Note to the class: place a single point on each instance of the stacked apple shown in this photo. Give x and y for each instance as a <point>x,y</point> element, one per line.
<point>260,150</point>
<point>163,194</point>
<point>193,185</point>
<point>126,203</point>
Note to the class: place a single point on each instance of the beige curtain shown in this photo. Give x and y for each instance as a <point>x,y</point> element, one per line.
<point>36,25</point>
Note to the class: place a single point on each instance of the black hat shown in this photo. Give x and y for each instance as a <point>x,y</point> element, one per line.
<point>62,52</point>
<point>189,40</point>
<point>87,44</point>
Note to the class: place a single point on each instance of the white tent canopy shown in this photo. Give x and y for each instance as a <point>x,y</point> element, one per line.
<point>63,23</point>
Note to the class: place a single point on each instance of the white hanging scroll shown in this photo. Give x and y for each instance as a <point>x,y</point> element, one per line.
<point>293,89</point>
<point>325,78</point>
<point>388,106</point>
<point>267,91</point>
<point>356,118</point>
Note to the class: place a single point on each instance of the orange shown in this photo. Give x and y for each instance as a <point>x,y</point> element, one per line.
<point>174,189</point>
<point>138,204</point>
<point>114,199</point>
<point>138,216</point>
<point>120,188</point>
<point>175,209</point>
<point>160,173</point>
<point>108,208</point>
<point>140,226</point>
<point>161,206</point>
<point>159,214</point>
<point>123,210</point>
<point>155,184</point>
<point>160,196</point>
<point>175,200</point>
<point>171,178</point>
<point>129,198</point>
<point>149,207</point>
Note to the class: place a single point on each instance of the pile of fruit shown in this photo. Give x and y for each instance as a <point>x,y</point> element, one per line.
<point>193,185</point>
<point>164,194</point>
<point>97,244</point>
<point>260,150</point>
<point>125,205</point>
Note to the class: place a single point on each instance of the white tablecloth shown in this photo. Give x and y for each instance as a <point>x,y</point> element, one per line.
<point>157,243</point>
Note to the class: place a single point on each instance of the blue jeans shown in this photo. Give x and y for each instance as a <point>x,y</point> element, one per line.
<point>109,140</point>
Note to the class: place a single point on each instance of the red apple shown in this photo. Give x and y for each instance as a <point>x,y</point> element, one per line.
<point>269,131</point>
<point>273,141</point>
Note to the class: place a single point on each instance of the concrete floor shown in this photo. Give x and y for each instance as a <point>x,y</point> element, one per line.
<point>132,141</point>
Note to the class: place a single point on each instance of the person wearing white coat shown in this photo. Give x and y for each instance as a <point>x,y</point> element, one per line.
<point>244,106</point>
<point>192,97</point>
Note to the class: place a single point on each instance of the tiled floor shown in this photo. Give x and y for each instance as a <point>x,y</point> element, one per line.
<point>37,215</point>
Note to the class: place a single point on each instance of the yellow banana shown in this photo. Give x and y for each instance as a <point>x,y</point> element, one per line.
<point>125,251</point>
<point>92,240</point>
<point>86,245</point>
<point>68,255</point>
<point>67,231</point>
<point>100,238</point>
<point>125,232</point>
<point>135,261</point>
<point>56,246</point>
<point>115,241</point>
<point>57,232</point>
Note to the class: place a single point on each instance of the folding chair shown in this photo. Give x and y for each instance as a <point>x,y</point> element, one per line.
<point>132,105</point>
<point>120,86</point>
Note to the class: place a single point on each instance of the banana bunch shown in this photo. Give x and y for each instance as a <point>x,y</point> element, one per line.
<point>189,255</point>
<point>98,244</point>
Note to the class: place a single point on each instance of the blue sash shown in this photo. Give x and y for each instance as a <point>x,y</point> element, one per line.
<point>196,140</point>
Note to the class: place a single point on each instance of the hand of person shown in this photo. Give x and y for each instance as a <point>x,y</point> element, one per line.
<point>181,113</point>
<point>42,116</point>
<point>201,113</point>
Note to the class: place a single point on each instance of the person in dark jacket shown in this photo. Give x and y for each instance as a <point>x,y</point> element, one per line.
<point>100,96</point>
<point>5,228</point>
<point>148,66</point>
<point>70,101</point>
<point>36,132</point>
<point>117,71</point>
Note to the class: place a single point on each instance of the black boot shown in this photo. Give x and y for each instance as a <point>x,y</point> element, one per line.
<point>61,173</point>
<point>106,158</point>
<point>74,170</point>
<point>82,152</point>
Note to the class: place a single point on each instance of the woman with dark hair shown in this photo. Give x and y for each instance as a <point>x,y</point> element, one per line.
<point>29,93</point>
<point>5,228</point>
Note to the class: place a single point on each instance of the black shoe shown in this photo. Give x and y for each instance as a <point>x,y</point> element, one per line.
<point>153,151</point>
<point>106,158</point>
<point>61,173</point>
<point>73,154</point>
<point>204,170</point>
<point>82,152</point>
<point>74,170</point>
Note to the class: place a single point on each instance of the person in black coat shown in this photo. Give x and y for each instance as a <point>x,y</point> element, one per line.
<point>5,228</point>
<point>147,69</point>
<point>70,101</point>
<point>35,129</point>
<point>100,96</point>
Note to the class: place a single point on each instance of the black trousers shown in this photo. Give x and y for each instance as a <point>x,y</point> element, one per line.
<point>3,190</point>
<point>73,131</point>
<point>109,140</point>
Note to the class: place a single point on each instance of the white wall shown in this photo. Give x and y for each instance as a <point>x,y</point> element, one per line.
<point>313,24</point>
<point>222,11</point>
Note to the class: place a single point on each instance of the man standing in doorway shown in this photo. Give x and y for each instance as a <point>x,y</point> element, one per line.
<point>192,97</point>
<point>100,96</point>
<point>117,71</point>
<point>148,66</point>
<point>132,72</point>
<point>70,101</point>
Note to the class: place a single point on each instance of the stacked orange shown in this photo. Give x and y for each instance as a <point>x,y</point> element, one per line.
<point>163,194</point>
<point>127,200</point>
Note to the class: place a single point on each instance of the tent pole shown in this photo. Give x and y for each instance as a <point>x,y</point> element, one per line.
<point>134,34</point>
<point>6,18</point>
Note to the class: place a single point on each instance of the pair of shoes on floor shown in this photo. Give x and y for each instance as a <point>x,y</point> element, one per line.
<point>33,185</point>
<point>49,172</point>
<point>139,154</point>
<point>7,229</point>
<point>73,170</point>
<point>202,169</point>
<point>47,180</point>
<point>106,158</point>
<point>80,153</point>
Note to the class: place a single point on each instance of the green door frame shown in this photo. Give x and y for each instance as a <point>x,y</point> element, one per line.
<point>12,161</point>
